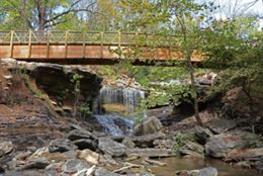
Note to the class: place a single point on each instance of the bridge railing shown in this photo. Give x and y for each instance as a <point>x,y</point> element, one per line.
<point>97,38</point>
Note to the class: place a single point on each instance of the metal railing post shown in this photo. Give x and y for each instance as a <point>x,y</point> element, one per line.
<point>66,44</point>
<point>83,45</point>
<point>47,54</point>
<point>11,43</point>
<point>101,44</point>
<point>29,44</point>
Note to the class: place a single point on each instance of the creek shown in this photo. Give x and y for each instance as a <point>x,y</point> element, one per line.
<point>114,111</point>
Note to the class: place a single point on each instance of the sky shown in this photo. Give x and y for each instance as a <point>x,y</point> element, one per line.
<point>230,8</point>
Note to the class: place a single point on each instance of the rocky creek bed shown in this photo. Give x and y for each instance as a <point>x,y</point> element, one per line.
<point>38,137</point>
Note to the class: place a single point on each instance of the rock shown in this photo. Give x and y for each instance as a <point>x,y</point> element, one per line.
<point>220,145</point>
<point>221,125</point>
<point>6,147</point>
<point>60,145</point>
<point>202,134</point>
<point>192,149</point>
<point>259,165</point>
<point>208,171</point>
<point>147,140</point>
<point>128,142</point>
<point>25,173</point>
<point>73,166</point>
<point>89,156</point>
<point>86,144</point>
<point>39,163</point>
<point>54,169</point>
<point>163,143</point>
<point>80,134</point>
<point>149,152</point>
<point>104,172</point>
<point>252,154</point>
<point>108,146</point>
<point>148,126</point>
<point>90,83</point>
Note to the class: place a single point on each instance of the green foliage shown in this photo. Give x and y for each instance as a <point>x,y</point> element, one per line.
<point>236,49</point>
<point>84,111</point>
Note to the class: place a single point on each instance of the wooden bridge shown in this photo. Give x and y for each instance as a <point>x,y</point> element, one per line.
<point>74,47</point>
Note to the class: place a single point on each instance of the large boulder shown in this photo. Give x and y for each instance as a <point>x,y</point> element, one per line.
<point>253,154</point>
<point>110,147</point>
<point>221,125</point>
<point>202,134</point>
<point>148,126</point>
<point>218,146</point>
<point>145,141</point>
<point>192,149</point>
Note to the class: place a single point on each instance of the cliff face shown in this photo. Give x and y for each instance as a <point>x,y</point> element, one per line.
<point>64,85</point>
<point>30,95</point>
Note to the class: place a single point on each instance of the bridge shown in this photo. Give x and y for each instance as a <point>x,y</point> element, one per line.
<point>74,47</point>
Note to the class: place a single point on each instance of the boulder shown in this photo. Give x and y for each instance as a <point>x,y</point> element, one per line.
<point>163,143</point>
<point>39,163</point>
<point>219,126</point>
<point>6,147</point>
<point>73,166</point>
<point>145,141</point>
<point>108,146</point>
<point>148,126</point>
<point>80,134</point>
<point>192,149</point>
<point>128,142</point>
<point>208,171</point>
<point>104,172</point>
<point>251,154</point>
<point>202,134</point>
<point>89,156</point>
<point>220,145</point>
<point>61,145</point>
<point>86,144</point>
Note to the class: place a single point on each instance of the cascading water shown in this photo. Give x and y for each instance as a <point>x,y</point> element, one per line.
<point>115,123</point>
<point>129,97</point>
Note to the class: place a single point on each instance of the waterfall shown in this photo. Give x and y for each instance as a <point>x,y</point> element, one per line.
<point>117,120</point>
<point>115,125</point>
<point>128,97</point>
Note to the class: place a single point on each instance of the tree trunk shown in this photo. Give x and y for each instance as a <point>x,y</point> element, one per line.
<point>41,10</point>
<point>193,87</point>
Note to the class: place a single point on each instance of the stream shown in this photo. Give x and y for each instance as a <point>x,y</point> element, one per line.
<point>114,110</point>
<point>175,164</point>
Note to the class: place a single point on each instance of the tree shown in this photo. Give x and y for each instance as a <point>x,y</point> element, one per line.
<point>169,17</point>
<point>41,14</point>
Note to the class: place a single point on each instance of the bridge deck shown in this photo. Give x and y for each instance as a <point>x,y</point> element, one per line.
<point>89,47</point>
